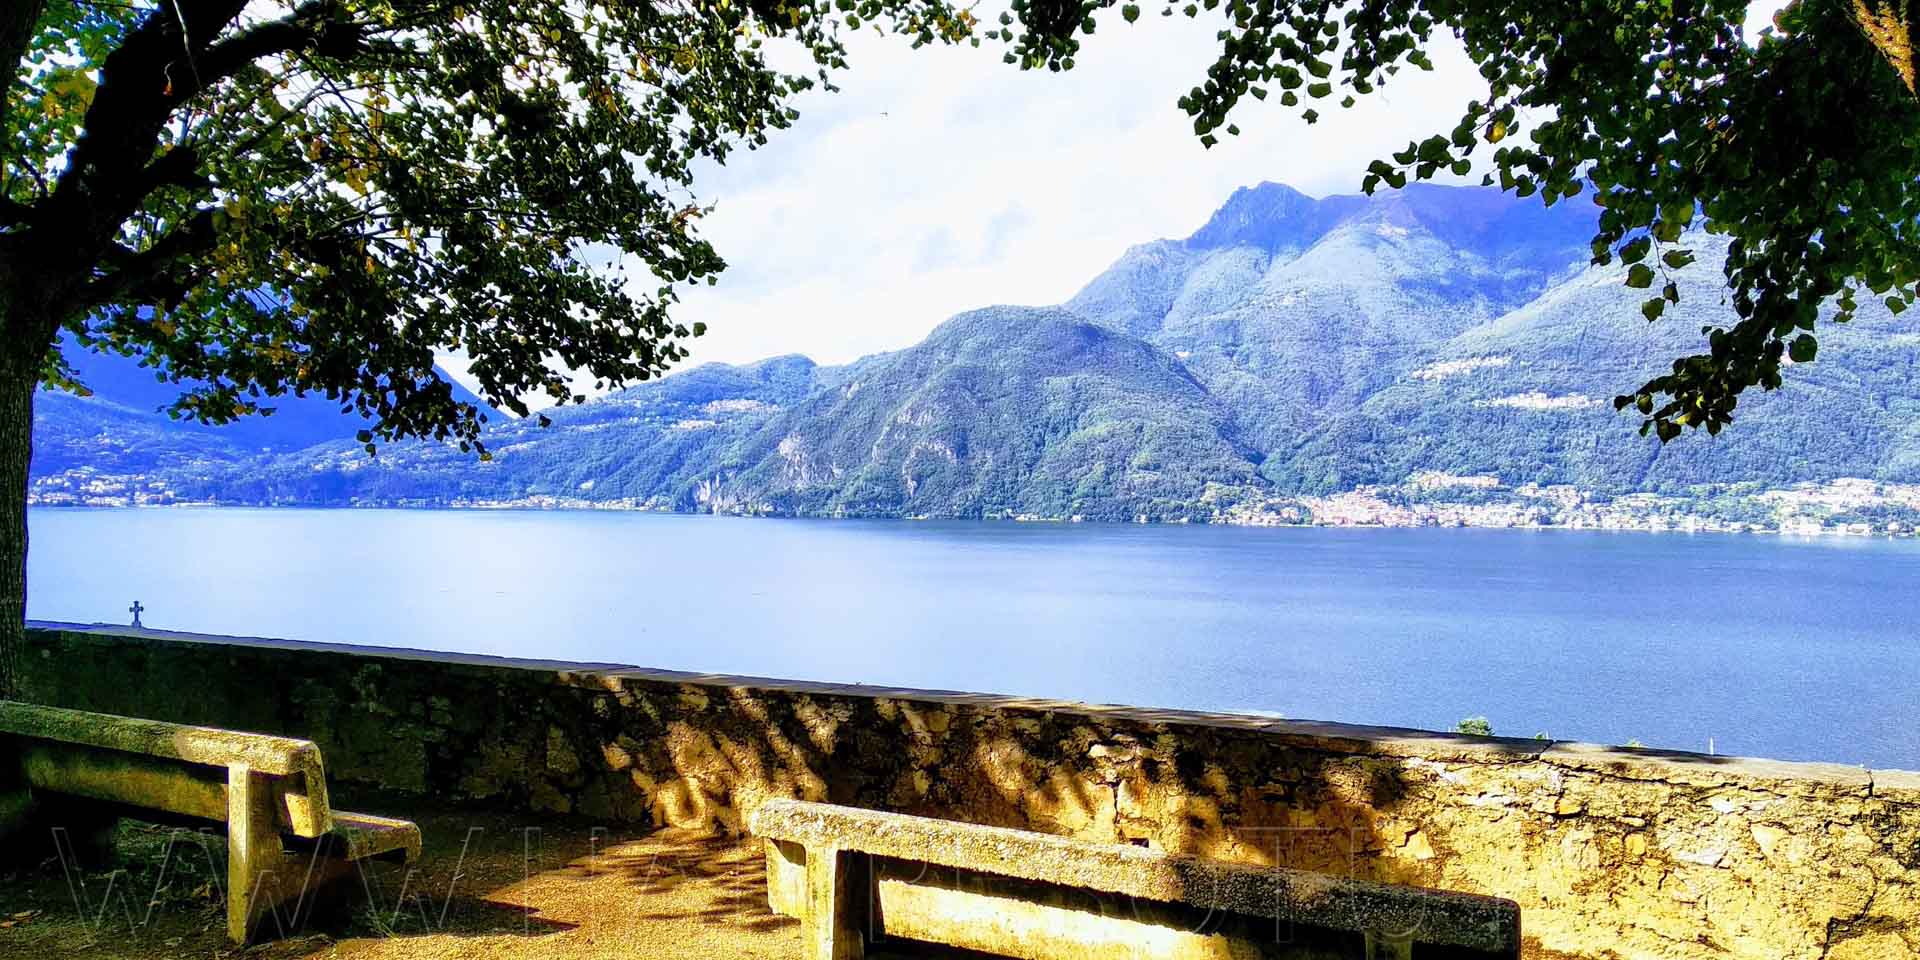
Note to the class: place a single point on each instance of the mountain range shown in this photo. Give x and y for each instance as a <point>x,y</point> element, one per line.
<point>1434,342</point>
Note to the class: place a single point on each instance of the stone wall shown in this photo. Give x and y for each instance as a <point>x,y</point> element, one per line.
<point>1611,853</point>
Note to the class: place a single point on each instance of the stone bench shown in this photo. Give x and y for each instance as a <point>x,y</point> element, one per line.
<point>271,792</point>
<point>857,877</point>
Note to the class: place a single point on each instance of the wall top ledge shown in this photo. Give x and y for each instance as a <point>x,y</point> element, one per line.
<point>1900,784</point>
<point>1402,742</point>
<point>1675,766</point>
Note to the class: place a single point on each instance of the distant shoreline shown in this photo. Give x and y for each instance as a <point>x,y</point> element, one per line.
<point>559,505</point>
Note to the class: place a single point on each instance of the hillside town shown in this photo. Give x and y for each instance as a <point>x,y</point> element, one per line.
<point>1847,506</point>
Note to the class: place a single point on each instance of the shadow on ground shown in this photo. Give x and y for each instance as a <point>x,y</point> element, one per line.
<point>489,885</point>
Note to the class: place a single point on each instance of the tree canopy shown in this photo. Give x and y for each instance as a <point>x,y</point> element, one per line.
<point>316,196</point>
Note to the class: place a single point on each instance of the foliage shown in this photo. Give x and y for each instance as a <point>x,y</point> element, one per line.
<point>1475,727</point>
<point>316,196</point>
<point>1801,149</point>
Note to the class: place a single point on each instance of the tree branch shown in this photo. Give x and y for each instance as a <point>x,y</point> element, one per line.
<point>142,84</point>
<point>319,24</point>
<point>147,276</point>
<point>101,185</point>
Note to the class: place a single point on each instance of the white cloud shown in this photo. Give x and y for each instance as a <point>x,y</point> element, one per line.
<point>1760,15</point>
<point>941,179</point>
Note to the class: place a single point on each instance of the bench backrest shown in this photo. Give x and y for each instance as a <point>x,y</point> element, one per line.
<point>173,767</point>
<point>1486,924</point>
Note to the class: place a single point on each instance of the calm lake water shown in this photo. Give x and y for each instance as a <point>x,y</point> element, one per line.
<point>1799,649</point>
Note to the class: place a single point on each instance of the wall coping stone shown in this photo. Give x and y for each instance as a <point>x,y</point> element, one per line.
<point>1632,763</point>
<point>1898,783</point>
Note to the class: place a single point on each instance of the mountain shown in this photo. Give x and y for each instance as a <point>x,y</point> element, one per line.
<point>296,422</point>
<point>1436,345</point>
<point>1527,398</point>
<point>1005,410</point>
<point>1002,411</point>
<point>122,427</point>
<point>1293,311</point>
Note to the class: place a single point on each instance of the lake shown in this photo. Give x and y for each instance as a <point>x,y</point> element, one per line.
<point>1791,648</point>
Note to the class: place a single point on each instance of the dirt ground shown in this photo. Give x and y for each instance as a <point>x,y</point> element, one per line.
<point>488,885</point>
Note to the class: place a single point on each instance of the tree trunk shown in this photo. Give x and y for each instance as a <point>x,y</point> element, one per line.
<point>19,377</point>
<point>22,349</point>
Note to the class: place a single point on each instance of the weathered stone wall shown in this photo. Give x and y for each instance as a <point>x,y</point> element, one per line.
<point>1610,853</point>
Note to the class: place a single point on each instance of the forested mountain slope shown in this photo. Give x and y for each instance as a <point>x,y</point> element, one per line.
<point>1289,349</point>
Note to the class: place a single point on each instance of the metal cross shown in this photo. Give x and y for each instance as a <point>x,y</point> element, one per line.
<point>135,610</point>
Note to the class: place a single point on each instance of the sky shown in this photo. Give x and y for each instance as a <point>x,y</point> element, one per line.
<point>940,180</point>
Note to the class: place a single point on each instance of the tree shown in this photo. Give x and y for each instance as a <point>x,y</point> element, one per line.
<point>313,196</point>
<point>1801,147</point>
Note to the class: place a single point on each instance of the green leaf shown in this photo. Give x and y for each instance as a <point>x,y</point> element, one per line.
<point>1131,12</point>
<point>1640,276</point>
<point>1803,348</point>
<point>1677,258</point>
<point>1653,308</point>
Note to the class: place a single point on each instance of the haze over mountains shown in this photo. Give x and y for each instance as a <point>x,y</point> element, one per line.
<point>1289,348</point>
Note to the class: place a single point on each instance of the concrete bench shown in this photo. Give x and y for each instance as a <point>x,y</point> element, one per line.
<point>271,792</point>
<point>854,877</point>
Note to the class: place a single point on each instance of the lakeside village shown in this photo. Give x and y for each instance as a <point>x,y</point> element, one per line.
<point>1842,507</point>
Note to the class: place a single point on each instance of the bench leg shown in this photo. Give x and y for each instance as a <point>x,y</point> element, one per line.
<point>786,878</point>
<point>835,910</point>
<point>1381,946</point>
<point>31,831</point>
<point>20,843</point>
<point>254,853</point>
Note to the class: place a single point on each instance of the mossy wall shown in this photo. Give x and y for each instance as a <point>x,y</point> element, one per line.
<point>1610,853</point>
